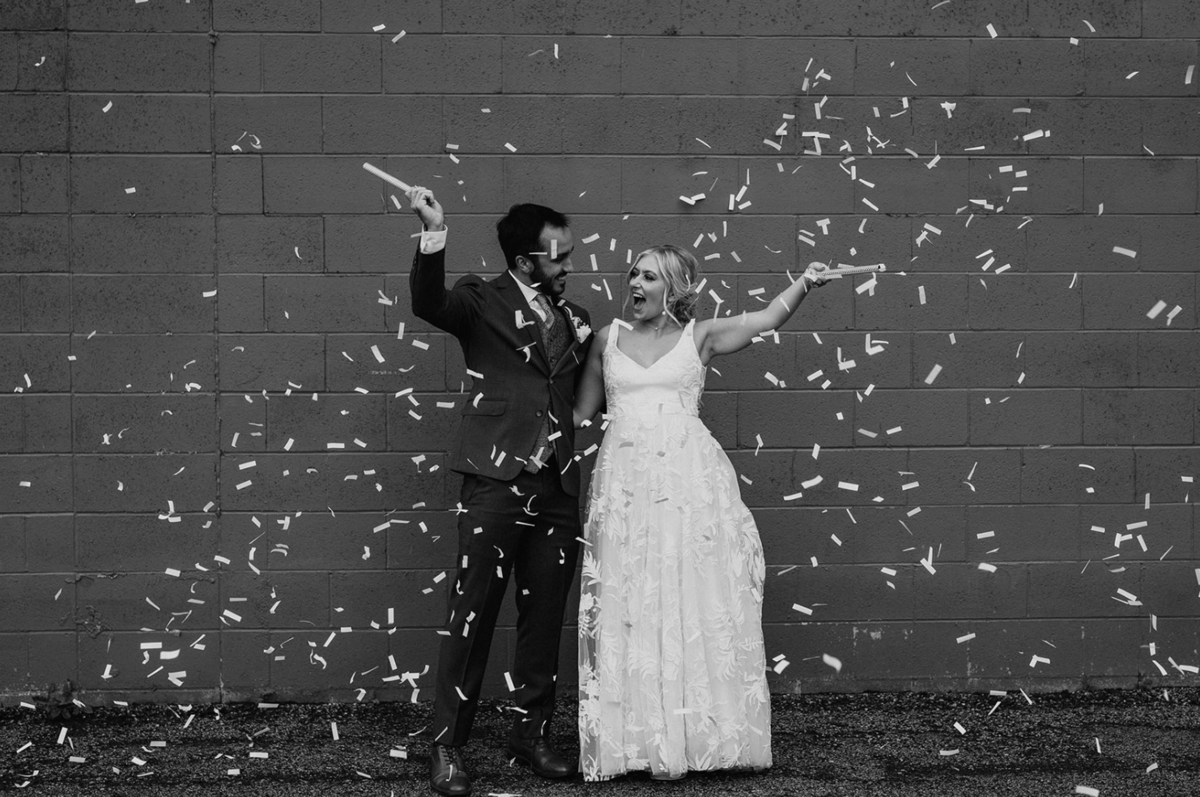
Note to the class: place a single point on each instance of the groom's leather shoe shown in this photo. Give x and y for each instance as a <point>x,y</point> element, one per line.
<point>540,757</point>
<point>447,775</point>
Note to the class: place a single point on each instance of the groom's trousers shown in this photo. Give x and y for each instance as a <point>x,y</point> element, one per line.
<point>527,528</point>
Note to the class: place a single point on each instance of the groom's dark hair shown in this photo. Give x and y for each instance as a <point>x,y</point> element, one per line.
<point>520,231</point>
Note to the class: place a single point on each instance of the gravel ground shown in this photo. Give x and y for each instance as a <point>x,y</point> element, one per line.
<point>866,745</point>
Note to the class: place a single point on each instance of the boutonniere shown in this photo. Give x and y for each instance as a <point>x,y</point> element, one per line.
<point>582,330</point>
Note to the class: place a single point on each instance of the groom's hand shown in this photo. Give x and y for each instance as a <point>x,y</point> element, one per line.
<point>425,205</point>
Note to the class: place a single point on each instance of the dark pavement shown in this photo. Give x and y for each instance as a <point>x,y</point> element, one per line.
<point>866,745</point>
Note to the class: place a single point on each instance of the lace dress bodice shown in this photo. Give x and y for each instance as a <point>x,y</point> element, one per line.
<point>670,386</point>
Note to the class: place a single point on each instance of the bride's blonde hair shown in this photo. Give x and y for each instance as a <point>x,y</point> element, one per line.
<point>679,270</point>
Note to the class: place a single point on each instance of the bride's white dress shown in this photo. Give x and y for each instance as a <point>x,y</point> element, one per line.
<point>672,673</point>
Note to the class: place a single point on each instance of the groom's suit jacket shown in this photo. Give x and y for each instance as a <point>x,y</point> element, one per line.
<point>501,340</point>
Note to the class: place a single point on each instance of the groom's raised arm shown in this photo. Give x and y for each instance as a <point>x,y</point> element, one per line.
<point>451,310</point>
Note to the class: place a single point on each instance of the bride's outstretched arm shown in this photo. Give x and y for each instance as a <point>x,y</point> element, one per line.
<point>589,394</point>
<point>727,335</point>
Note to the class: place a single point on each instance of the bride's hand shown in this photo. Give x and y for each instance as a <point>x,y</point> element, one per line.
<point>817,273</point>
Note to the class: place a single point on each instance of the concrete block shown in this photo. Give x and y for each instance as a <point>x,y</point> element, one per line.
<point>909,186</point>
<point>240,303</point>
<point>41,358</point>
<point>845,592</point>
<point>1114,17</point>
<point>46,302</point>
<point>295,184</point>
<point>1166,529</point>
<point>269,244</point>
<point>889,368</point>
<point>31,603</point>
<point>136,62</point>
<point>113,15</point>
<point>10,188</point>
<point>44,180</point>
<point>366,597</point>
<point>675,65</point>
<point>912,67</point>
<point>887,535</point>
<point>244,416</point>
<point>1160,471</point>
<point>1038,185</point>
<point>318,481</point>
<point>1061,590</point>
<point>764,479</point>
<point>1023,301</point>
<point>471,186</point>
<point>443,64</point>
<point>434,430</point>
<point>34,61</point>
<point>1168,588</point>
<point>323,63</point>
<point>1026,67</point>
<point>144,424</point>
<point>313,425</point>
<point>580,65</point>
<point>141,244</point>
<point>1111,647</point>
<point>12,428</point>
<point>739,17</point>
<point>747,369</point>
<point>1010,17</point>
<point>765,245</point>
<point>273,123</point>
<point>654,185</point>
<point>237,63</point>
<point>924,418</point>
<point>50,543</point>
<point>1006,652</point>
<point>150,481</point>
<point>589,17</point>
<point>405,365</point>
<point>357,16</point>
<point>965,476</point>
<point>776,65</point>
<point>304,15</point>
<point>963,591</point>
<point>121,543</point>
<point>556,182</point>
<point>244,666</point>
<point>1149,185</point>
<point>49,488</point>
<point>1084,125</point>
<point>1169,126</point>
<point>622,125</point>
<point>1079,359</point>
<point>792,419</point>
<point>37,122</point>
<point>33,15</point>
<point>527,16</point>
<point>1085,243</point>
<point>1170,18</point>
<point>33,243</point>
<point>269,362</point>
<point>1138,417</point>
<point>10,303</point>
<point>897,303</point>
<point>875,474</point>
<point>820,186</point>
<point>145,303</point>
<point>239,184</point>
<point>1111,64</point>
<point>718,412</point>
<point>422,540</point>
<point>323,303</point>
<point>120,604</point>
<point>1008,533</point>
<point>972,122</point>
<point>382,124</point>
<point>792,537</point>
<point>1027,417</point>
<point>162,184</point>
<point>507,122</point>
<point>1057,476</point>
<point>278,600</point>
<point>1122,301</point>
<point>142,364</point>
<point>376,244</point>
<point>847,119</point>
<point>1167,359</point>
<point>47,424</point>
<point>324,542</point>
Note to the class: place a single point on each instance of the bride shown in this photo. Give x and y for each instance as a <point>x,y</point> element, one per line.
<point>672,672</point>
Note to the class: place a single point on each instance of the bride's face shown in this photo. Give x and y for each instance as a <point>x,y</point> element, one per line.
<point>647,289</point>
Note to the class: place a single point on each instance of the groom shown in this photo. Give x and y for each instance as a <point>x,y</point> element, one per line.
<point>515,449</point>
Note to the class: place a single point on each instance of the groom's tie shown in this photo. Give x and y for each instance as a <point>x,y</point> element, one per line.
<point>554,338</point>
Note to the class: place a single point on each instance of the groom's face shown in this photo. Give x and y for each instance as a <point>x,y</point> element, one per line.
<point>552,265</point>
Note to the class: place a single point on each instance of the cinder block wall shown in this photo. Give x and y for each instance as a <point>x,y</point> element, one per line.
<point>243,495</point>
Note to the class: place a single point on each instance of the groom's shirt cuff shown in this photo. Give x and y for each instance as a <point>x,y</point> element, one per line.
<point>432,241</point>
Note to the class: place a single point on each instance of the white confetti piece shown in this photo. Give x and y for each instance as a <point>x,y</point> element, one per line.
<point>835,663</point>
<point>933,374</point>
<point>1088,791</point>
<point>131,190</point>
<point>398,36</point>
<point>991,29</point>
<point>1158,307</point>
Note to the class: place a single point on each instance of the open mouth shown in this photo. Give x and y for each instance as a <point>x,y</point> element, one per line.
<point>638,302</point>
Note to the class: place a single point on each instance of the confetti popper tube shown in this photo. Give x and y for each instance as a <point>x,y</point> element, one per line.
<point>380,173</point>
<point>846,270</point>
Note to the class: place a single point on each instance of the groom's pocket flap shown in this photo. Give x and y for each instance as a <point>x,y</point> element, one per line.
<point>485,407</point>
